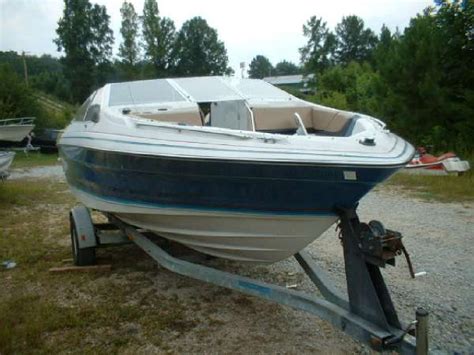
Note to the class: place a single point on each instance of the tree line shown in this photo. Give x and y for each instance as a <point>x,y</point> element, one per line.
<point>152,47</point>
<point>420,82</point>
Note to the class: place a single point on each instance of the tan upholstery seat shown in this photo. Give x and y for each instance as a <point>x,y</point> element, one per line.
<point>283,118</point>
<point>329,120</point>
<point>280,118</point>
<point>191,117</point>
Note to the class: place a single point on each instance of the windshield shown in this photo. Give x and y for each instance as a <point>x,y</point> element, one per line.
<point>143,92</point>
<point>81,112</point>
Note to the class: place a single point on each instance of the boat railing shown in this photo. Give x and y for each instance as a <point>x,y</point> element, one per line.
<point>252,118</point>
<point>301,128</point>
<point>212,130</point>
<point>17,121</point>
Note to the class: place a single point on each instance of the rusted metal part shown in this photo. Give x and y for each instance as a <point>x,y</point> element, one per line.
<point>410,266</point>
<point>380,246</point>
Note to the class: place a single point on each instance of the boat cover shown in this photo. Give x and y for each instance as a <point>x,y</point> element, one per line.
<point>196,89</point>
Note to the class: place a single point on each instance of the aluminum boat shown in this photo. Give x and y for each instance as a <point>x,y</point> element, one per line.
<point>234,168</point>
<point>6,159</point>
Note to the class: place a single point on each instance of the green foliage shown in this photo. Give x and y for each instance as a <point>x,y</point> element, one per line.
<point>260,67</point>
<point>198,50</point>
<point>419,82</point>
<point>318,54</point>
<point>353,87</point>
<point>86,39</point>
<point>159,37</point>
<point>428,76</point>
<point>16,98</point>
<point>354,42</point>
<point>45,73</point>
<point>129,49</point>
<point>286,68</point>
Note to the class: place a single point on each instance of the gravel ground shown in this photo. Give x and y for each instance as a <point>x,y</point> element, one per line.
<point>438,236</point>
<point>53,171</point>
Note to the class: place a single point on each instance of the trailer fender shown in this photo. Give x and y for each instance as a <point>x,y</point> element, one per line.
<point>84,227</point>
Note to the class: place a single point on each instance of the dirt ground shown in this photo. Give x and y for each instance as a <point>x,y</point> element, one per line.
<point>139,307</point>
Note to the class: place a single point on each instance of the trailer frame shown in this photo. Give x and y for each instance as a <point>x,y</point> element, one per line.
<point>368,314</point>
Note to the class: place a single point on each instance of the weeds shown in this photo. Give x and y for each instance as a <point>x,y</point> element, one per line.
<point>79,313</point>
<point>447,188</point>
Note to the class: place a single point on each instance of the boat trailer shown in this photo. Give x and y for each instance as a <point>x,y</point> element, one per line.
<point>368,314</point>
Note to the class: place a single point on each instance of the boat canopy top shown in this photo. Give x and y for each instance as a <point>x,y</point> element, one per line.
<point>195,89</point>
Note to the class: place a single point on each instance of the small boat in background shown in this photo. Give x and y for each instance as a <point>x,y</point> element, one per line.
<point>46,140</point>
<point>6,159</point>
<point>15,129</point>
<point>428,164</point>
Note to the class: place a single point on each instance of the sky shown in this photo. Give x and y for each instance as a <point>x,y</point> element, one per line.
<point>247,27</point>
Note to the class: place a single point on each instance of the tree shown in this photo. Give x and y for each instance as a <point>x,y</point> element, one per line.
<point>354,42</point>
<point>352,87</point>
<point>129,49</point>
<point>287,68</point>
<point>44,73</point>
<point>19,100</point>
<point>318,53</point>
<point>198,50</point>
<point>86,39</point>
<point>16,99</point>
<point>159,37</point>
<point>260,67</point>
<point>382,51</point>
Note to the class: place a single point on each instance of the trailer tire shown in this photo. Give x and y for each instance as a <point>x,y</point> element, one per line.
<point>81,256</point>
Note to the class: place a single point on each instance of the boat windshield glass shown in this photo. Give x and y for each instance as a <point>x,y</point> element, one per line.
<point>81,112</point>
<point>143,92</point>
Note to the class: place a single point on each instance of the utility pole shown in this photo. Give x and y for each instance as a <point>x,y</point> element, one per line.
<point>25,68</point>
<point>242,69</point>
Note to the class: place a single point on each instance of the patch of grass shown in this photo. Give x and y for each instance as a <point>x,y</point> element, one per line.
<point>22,193</point>
<point>25,318</point>
<point>34,159</point>
<point>442,188</point>
<point>32,322</point>
<point>40,312</point>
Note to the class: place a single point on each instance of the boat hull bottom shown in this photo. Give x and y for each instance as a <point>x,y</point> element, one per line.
<point>14,133</point>
<point>251,237</point>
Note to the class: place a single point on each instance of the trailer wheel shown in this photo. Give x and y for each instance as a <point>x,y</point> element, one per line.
<point>82,256</point>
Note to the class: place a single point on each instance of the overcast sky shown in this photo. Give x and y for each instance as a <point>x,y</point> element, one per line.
<point>247,27</point>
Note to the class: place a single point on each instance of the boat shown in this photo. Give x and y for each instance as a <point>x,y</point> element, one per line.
<point>427,164</point>
<point>234,168</point>
<point>46,140</point>
<point>14,130</point>
<point>6,159</point>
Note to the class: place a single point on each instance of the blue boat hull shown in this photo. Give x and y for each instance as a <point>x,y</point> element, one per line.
<point>279,188</point>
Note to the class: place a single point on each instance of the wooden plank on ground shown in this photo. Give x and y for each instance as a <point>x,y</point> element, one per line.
<point>91,268</point>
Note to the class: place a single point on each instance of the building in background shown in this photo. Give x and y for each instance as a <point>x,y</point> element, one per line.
<point>303,83</point>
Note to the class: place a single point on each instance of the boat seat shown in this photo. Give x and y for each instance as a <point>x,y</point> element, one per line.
<point>280,118</point>
<point>330,121</point>
<point>192,118</point>
<point>315,119</point>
